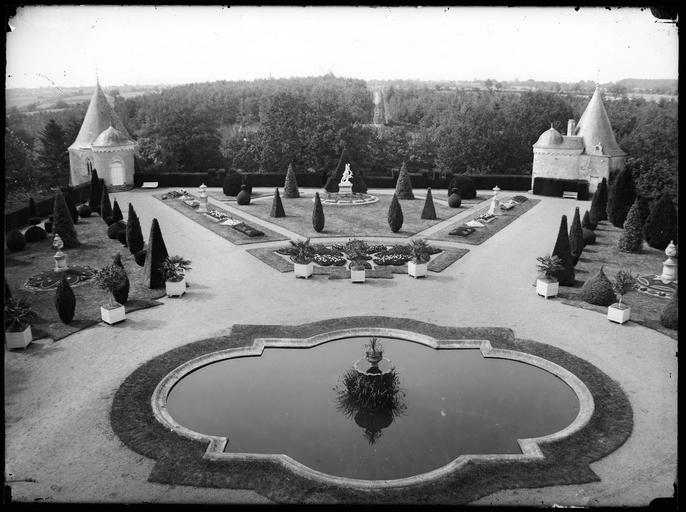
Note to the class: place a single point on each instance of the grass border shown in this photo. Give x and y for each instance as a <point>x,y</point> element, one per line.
<point>179,461</point>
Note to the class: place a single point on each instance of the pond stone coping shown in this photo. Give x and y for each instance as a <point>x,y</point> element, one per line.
<point>531,450</point>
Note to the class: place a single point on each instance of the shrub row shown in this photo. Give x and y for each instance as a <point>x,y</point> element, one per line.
<point>317,180</point>
<point>18,218</point>
<point>556,187</point>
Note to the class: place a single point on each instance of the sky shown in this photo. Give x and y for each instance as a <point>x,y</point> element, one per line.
<point>145,45</point>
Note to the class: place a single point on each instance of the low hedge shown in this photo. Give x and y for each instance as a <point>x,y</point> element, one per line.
<point>17,218</point>
<point>555,187</point>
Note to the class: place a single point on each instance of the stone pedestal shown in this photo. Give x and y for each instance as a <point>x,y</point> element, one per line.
<point>60,261</point>
<point>669,265</point>
<point>202,208</point>
<point>345,188</point>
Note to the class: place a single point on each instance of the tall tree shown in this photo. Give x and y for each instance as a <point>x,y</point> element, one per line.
<point>63,224</point>
<point>576,237</point>
<point>96,193</point>
<point>53,158</point>
<point>134,234</point>
<point>19,170</point>
<point>562,250</point>
<point>621,197</point>
<point>631,239</point>
<point>154,258</point>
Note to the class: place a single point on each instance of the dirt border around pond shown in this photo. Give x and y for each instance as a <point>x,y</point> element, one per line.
<point>179,461</point>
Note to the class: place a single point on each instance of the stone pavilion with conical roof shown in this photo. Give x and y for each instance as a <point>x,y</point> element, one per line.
<point>103,143</point>
<point>588,151</point>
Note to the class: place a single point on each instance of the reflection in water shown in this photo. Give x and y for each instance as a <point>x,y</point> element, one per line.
<point>370,393</point>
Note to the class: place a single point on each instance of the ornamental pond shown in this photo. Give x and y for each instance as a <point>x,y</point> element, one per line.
<point>445,403</point>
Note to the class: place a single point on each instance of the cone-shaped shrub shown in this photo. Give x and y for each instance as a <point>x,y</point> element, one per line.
<point>15,240</point>
<point>621,197</point>
<point>290,188</point>
<point>594,212</point>
<point>84,211</point>
<point>105,205</point>
<point>134,235</point>
<point>63,224</point>
<point>317,214</point>
<point>454,199</point>
<point>403,187</point>
<point>429,211</point>
<point>586,221</point>
<point>65,300</point>
<point>395,214</point>
<point>359,185</point>
<point>140,257</point>
<point>589,236</point>
<point>114,229</point>
<point>8,292</point>
<point>96,193</point>
<point>598,290</point>
<point>602,200</point>
<point>155,255</point>
<point>35,234</point>
<point>71,205</point>
<point>669,317</point>
<point>116,212</point>
<point>661,226</point>
<point>565,276</point>
<point>121,294</point>
<point>576,237</point>
<point>277,205</point>
<point>632,237</point>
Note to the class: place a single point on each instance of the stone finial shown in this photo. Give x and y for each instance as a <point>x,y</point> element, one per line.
<point>670,251</point>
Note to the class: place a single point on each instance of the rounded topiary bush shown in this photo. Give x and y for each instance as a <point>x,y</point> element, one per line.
<point>464,185</point>
<point>589,236</point>
<point>15,240</point>
<point>232,183</point>
<point>140,257</point>
<point>598,290</point>
<point>661,226</point>
<point>35,234</point>
<point>669,317</point>
<point>34,221</point>
<point>65,301</point>
<point>454,199</point>
<point>114,229</point>
<point>122,236</point>
<point>243,197</point>
<point>586,221</point>
<point>84,210</point>
<point>109,220</point>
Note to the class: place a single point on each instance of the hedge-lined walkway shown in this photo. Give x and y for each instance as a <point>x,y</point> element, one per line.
<point>60,445</point>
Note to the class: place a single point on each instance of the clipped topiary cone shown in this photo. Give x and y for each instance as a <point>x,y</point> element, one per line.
<point>562,250</point>
<point>105,205</point>
<point>116,212</point>
<point>71,205</point>
<point>669,317</point>
<point>620,198</point>
<point>318,214</point>
<point>134,234</point>
<point>277,205</point>
<point>602,200</point>
<point>96,193</point>
<point>576,237</point>
<point>598,290</point>
<point>403,187</point>
<point>290,187</point>
<point>631,239</point>
<point>429,211</point>
<point>156,253</point>
<point>586,221</point>
<point>395,214</point>
<point>63,223</point>
<point>65,300</point>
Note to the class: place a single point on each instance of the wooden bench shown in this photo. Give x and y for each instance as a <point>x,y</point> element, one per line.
<point>150,184</point>
<point>570,195</point>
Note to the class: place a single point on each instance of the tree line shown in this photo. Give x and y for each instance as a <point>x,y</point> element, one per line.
<point>266,125</point>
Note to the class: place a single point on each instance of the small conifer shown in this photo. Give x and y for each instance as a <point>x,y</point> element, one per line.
<point>429,211</point>
<point>63,224</point>
<point>290,188</point>
<point>65,300</point>
<point>155,255</point>
<point>116,212</point>
<point>403,187</point>
<point>134,234</point>
<point>277,205</point>
<point>661,226</point>
<point>576,237</point>
<point>632,237</point>
<point>359,185</point>
<point>105,205</point>
<point>318,214</point>
<point>621,197</point>
<point>71,205</point>
<point>565,275</point>
<point>602,200</point>
<point>586,221</point>
<point>96,193</point>
<point>395,214</point>
<point>336,175</point>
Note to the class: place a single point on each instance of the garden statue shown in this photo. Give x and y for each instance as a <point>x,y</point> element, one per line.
<point>60,257</point>
<point>669,265</point>
<point>202,208</point>
<point>345,179</point>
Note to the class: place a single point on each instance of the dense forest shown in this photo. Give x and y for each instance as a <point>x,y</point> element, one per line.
<point>265,125</point>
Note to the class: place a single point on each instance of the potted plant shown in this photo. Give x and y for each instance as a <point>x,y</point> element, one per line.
<point>111,278</point>
<point>17,328</point>
<point>374,351</point>
<point>174,269</point>
<point>622,283</point>
<point>357,271</point>
<point>547,284</point>
<point>302,254</point>
<point>418,265</point>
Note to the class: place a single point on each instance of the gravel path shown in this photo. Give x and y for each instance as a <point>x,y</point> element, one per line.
<point>60,447</point>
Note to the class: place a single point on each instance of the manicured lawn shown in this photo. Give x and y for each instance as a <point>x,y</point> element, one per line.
<point>365,220</point>
<point>96,250</point>
<point>645,308</point>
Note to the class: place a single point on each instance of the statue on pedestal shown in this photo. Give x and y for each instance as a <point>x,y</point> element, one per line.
<point>347,175</point>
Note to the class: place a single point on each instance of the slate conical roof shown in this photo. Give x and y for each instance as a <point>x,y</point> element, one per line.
<point>594,127</point>
<point>99,116</point>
